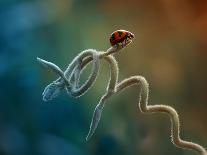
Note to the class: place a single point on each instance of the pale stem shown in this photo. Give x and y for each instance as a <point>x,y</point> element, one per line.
<point>145,108</point>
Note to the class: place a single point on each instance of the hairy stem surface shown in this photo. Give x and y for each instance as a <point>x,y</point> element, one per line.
<point>145,108</point>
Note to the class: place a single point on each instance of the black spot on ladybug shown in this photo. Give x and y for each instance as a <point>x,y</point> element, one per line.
<point>113,36</point>
<point>120,33</point>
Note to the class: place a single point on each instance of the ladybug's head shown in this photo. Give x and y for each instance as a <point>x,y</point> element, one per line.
<point>121,38</point>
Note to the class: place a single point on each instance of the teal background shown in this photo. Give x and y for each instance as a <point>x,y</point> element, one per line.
<point>169,50</point>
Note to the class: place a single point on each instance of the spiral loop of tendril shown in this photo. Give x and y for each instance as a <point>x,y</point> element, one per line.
<point>69,80</point>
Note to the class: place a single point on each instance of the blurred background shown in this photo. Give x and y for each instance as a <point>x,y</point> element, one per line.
<point>170,51</point>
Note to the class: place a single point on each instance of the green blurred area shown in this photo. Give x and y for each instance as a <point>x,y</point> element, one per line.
<point>169,50</point>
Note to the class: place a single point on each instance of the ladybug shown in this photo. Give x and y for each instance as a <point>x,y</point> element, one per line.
<point>122,37</point>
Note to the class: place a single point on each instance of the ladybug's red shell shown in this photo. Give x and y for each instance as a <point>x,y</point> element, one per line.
<point>119,36</point>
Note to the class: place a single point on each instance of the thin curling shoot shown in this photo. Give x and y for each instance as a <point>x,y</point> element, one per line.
<point>69,80</point>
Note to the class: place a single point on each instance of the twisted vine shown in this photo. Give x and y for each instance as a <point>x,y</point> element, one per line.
<point>69,81</point>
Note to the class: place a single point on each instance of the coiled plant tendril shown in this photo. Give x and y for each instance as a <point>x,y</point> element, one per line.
<point>69,81</point>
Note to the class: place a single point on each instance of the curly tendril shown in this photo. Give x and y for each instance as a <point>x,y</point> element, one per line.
<point>69,80</point>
